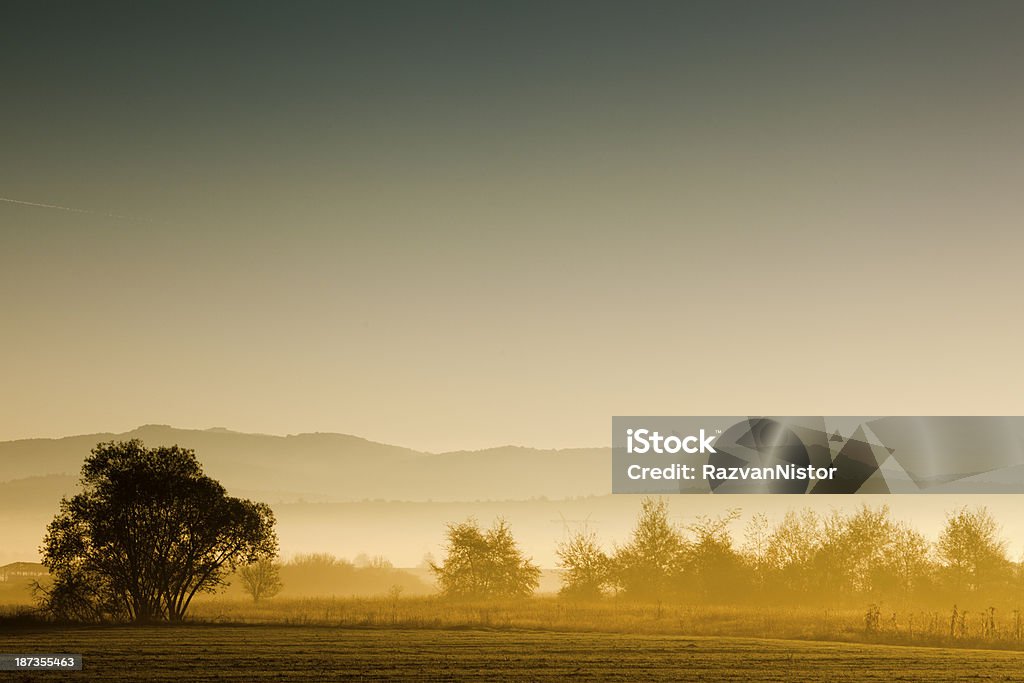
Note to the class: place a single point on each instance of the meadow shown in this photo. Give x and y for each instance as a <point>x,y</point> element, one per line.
<point>873,625</point>
<point>293,653</point>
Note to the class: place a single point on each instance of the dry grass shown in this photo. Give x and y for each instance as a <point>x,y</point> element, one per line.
<point>614,615</point>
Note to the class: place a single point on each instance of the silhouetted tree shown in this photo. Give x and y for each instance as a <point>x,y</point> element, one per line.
<point>972,554</point>
<point>650,565</point>
<point>793,546</point>
<point>364,561</point>
<point>585,567</point>
<point>853,548</point>
<point>146,534</point>
<point>484,564</point>
<point>261,579</point>
<point>716,569</point>
<point>755,547</point>
<point>905,569</point>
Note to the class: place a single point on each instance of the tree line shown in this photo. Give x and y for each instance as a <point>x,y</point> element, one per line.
<point>149,531</point>
<point>806,557</point>
<point>324,574</point>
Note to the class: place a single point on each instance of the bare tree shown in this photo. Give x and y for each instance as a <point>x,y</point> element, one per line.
<point>261,579</point>
<point>755,546</point>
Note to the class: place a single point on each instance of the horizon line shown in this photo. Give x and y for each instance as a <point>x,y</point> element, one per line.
<point>226,430</point>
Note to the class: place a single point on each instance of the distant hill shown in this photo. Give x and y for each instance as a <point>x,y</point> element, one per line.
<point>324,467</point>
<point>35,493</point>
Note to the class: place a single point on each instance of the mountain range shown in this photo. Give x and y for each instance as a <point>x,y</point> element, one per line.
<point>320,467</point>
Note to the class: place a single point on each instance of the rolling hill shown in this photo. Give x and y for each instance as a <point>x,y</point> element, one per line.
<point>327,467</point>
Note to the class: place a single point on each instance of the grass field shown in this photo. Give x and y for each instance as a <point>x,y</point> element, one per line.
<point>286,653</point>
<point>549,613</point>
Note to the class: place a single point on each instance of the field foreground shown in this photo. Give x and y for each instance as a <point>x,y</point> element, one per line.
<point>265,653</point>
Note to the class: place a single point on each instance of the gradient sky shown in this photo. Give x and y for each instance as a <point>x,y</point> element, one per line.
<point>462,225</point>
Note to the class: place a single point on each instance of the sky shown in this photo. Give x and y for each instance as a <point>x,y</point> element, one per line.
<point>459,225</point>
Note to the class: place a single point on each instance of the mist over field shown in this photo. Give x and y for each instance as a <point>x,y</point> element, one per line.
<point>347,496</point>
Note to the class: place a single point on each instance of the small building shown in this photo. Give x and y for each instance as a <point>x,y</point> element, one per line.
<point>19,571</point>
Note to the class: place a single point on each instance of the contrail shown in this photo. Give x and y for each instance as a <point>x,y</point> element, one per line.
<point>74,210</point>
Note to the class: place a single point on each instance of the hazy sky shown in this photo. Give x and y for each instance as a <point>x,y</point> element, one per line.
<point>461,225</point>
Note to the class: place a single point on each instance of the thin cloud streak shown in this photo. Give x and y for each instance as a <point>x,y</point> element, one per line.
<point>74,210</point>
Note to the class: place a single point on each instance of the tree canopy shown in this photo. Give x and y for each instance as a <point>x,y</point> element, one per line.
<point>148,532</point>
<point>837,558</point>
<point>485,564</point>
<point>972,552</point>
<point>586,568</point>
<point>650,565</point>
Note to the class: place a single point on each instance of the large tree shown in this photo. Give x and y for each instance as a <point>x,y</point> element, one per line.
<point>148,532</point>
